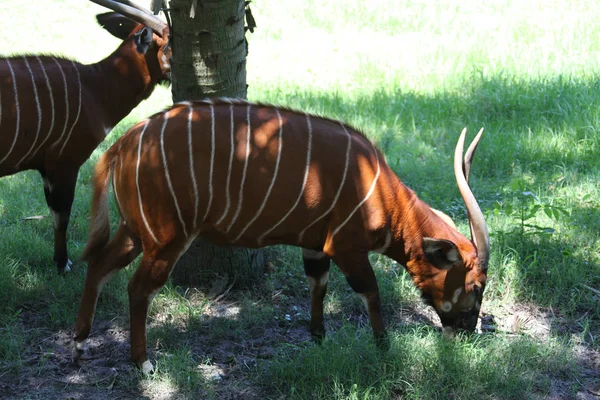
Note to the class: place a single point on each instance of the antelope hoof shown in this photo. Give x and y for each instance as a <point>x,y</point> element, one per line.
<point>77,351</point>
<point>147,367</point>
<point>65,268</point>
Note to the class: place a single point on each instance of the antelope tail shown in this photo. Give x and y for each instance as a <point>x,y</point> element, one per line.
<point>99,230</point>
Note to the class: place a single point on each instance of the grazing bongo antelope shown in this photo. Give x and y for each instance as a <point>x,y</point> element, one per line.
<point>256,175</point>
<point>54,111</point>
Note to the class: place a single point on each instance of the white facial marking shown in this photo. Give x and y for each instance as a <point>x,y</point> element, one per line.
<point>369,193</point>
<point>167,175</point>
<point>165,62</point>
<point>456,294</point>
<point>137,183</point>
<point>17,111</point>
<point>246,158</point>
<point>306,170</point>
<point>448,331</point>
<point>275,172</point>
<point>446,306</point>
<point>231,153</point>
<point>339,191</point>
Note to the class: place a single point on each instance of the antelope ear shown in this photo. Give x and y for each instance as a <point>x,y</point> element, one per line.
<point>116,24</point>
<point>442,253</point>
<point>143,40</point>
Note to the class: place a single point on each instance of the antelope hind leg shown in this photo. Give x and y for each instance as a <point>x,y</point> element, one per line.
<point>316,267</point>
<point>119,253</point>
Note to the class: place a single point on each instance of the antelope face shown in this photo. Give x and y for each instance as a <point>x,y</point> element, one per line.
<point>455,288</point>
<point>459,301</point>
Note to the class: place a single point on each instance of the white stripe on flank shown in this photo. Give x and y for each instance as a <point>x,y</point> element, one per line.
<point>212,161</point>
<point>18,111</point>
<point>369,193</point>
<point>78,110</point>
<point>241,194</point>
<point>231,153</point>
<point>339,191</point>
<point>39,112</point>
<point>264,203</point>
<point>167,176</point>
<point>306,170</point>
<point>66,102</point>
<point>137,183</point>
<point>51,108</point>
<point>192,173</point>
<point>118,175</point>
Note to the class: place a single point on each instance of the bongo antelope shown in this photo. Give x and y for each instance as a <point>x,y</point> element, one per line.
<point>55,111</point>
<point>255,175</point>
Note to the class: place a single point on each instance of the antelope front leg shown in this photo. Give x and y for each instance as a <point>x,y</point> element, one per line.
<point>59,189</point>
<point>360,276</point>
<point>316,267</point>
<point>149,278</point>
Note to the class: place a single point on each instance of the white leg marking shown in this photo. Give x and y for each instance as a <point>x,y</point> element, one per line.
<point>241,193</point>
<point>339,192</point>
<point>137,183</point>
<point>78,110</point>
<point>386,245</point>
<point>314,283</point>
<point>167,175</point>
<point>306,170</point>
<point>51,108</point>
<point>456,294</point>
<point>66,102</point>
<point>18,111</point>
<point>369,193</point>
<point>212,161</point>
<point>55,219</point>
<point>147,367</point>
<point>264,203</point>
<point>82,346</point>
<point>192,173</point>
<point>39,112</point>
<point>365,301</point>
<point>231,153</point>
<point>446,306</point>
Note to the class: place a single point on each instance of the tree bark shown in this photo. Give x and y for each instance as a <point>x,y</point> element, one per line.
<point>209,60</point>
<point>209,49</point>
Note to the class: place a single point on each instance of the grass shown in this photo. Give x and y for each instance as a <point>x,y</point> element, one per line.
<point>411,75</point>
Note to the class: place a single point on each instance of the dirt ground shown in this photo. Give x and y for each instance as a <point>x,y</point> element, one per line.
<point>106,373</point>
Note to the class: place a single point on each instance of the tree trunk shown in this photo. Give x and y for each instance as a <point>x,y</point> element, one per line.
<point>209,53</point>
<point>209,60</point>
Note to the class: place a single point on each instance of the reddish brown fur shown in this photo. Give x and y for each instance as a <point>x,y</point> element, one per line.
<point>70,131</point>
<point>392,217</point>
